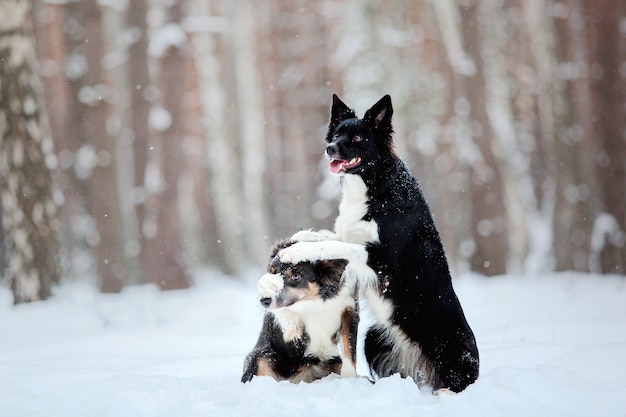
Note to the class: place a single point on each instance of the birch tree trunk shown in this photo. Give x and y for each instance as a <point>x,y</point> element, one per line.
<point>29,214</point>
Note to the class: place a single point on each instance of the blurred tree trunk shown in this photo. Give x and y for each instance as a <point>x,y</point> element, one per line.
<point>48,22</point>
<point>162,256</point>
<point>486,184</point>
<point>215,81</point>
<point>604,20</point>
<point>196,208</point>
<point>140,86</point>
<point>94,160</point>
<point>252,134</point>
<point>29,214</point>
<point>573,215</point>
<point>529,46</point>
<point>449,171</point>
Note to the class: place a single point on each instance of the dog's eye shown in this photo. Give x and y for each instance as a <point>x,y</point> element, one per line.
<point>357,138</point>
<point>295,278</point>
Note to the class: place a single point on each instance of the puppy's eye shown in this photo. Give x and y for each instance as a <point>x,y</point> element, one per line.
<point>295,278</point>
<point>357,138</point>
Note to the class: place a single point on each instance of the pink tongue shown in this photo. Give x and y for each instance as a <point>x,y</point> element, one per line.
<point>336,165</point>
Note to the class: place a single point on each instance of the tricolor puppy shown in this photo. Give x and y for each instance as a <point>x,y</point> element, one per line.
<point>309,328</point>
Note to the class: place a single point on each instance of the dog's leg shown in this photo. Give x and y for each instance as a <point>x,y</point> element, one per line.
<point>313,236</point>
<point>380,353</point>
<point>327,249</point>
<point>359,274</point>
<point>347,341</point>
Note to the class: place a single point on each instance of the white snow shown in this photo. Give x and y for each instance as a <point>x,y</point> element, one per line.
<point>159,119</point>
<point>167,36</point>
<point>550,345</point>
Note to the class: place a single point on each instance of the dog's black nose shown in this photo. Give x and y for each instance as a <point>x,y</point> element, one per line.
<point>265,302</point>
<point>332,149</point>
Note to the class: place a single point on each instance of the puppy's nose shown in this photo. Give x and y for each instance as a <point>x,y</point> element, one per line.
<point>265,302</point>
<point>332,149</point>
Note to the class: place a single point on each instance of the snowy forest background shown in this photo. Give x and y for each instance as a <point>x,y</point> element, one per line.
<point>142,139</point>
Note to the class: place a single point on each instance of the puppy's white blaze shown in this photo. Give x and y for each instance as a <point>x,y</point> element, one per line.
<point>270,284</point>
<point>349,225</point>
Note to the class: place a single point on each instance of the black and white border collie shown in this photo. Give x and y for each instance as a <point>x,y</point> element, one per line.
<point>420,329</point>
<point>309,328</point>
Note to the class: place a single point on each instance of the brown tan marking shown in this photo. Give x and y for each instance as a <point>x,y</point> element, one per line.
<point>264,368</point>
<point>292,295</point>
<point>346,337</point>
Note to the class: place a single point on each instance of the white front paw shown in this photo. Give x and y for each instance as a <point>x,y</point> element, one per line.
<point>270,284</point>
<point>289,323</point>
<point>292,331</point>
<point>311,236</point>
<point>300,252</point>
<point>347,370</point>
<point>444,391</point>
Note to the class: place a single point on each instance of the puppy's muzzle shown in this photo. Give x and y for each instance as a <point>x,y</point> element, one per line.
<point>269,286</point>
<point>266,301</point>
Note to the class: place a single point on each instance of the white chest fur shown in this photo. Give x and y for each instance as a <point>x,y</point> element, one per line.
<point>320,319</point>
<point>349,225</point>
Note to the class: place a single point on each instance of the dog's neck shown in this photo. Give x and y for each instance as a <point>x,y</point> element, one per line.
<point>350,226</point>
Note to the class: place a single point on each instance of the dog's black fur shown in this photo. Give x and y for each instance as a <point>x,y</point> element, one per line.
<point>421,330</point>
<point>295,353</point>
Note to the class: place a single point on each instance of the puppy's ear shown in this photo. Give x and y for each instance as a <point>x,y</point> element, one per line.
<point>330,269</point>
<point>379,115</point>
<point>339,112</point>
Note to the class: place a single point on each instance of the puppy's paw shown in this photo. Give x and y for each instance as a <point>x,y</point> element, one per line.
<point>270,284</point>
<point>311,235</point>
<point>444,391</point>
<point>290,324</point>
<point>292,331</point>
<point>348,370</point>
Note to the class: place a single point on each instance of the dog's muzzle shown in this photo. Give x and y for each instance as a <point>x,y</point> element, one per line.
<point>332,150</point>
<point>269,286</point>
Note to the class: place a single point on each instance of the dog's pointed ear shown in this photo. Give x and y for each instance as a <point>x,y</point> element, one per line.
<point>379,115</point>
<point>339,112</point>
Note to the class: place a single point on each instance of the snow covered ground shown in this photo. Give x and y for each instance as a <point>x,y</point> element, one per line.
<point>551,345</point>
